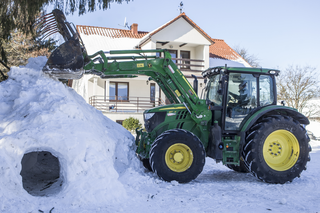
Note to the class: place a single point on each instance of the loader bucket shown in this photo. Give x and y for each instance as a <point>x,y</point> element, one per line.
<point>67,61</point>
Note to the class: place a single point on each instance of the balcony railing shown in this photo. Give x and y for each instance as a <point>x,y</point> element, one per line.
<point>132,104</point>
<point>185,64</point>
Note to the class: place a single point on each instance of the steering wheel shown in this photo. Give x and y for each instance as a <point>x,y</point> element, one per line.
<point>231,98</point>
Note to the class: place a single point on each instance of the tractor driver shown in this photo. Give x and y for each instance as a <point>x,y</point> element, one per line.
<point>243,97</point>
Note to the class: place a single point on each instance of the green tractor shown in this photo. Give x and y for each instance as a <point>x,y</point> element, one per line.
<point>236,120</point>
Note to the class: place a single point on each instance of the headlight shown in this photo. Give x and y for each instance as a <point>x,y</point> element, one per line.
<point>147,116</point>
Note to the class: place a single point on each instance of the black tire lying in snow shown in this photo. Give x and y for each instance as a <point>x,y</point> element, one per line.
<point>277,149</point>
<point>241,168</point>
<point>146,164</point>
<point>177,155</point>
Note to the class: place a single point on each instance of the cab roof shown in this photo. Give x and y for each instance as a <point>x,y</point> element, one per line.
<point>217,70</point>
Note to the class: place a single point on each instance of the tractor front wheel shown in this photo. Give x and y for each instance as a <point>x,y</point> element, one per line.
<point>277,149</point>
<point>177,155</point>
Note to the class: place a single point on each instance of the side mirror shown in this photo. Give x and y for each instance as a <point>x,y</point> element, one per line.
<point>195,83</point>
<point>220,91</point>
<point>283,103</point>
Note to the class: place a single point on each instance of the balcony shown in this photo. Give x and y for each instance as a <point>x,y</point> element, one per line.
<point>131,105</point>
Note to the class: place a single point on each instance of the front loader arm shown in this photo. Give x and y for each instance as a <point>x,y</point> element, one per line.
<point>162,70</point>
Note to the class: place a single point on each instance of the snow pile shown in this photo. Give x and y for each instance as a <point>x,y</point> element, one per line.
<point>37,114</point>
<point>314,128</point>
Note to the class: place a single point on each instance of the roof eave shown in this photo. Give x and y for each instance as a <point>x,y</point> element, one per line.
<point>186,18</point>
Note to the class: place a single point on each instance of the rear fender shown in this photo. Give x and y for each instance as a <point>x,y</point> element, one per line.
<point>273,110</point>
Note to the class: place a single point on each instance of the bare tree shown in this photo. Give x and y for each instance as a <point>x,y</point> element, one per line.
<point>251,59</point>
<point>312,109</point>
<point>297,86</point>
<point>21,47</point>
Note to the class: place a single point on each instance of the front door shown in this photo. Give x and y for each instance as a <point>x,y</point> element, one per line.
<point>152,92</point>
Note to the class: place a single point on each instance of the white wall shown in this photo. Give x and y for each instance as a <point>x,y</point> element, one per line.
<point>81,86</point>
<point>149,45</point>
<point>180,31</point>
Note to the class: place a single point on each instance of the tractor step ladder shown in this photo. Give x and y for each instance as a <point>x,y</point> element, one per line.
<point>231,150</point>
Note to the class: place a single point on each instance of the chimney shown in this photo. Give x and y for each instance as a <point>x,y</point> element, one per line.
<point>134,29</point>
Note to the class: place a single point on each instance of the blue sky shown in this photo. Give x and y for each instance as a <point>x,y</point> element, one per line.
<point>279,32</point>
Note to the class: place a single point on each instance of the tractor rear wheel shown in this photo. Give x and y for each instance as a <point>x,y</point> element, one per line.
<point>277,149</point>
<point>177,155</point>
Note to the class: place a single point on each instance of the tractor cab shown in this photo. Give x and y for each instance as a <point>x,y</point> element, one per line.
<point>234,93</point>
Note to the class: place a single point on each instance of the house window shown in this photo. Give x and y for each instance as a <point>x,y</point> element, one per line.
<point>185,55</point>
<point>152,92</point>
<point>119,91</point>
<point>173,54</point>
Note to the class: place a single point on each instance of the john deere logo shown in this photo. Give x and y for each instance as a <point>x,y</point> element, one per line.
<point>149,65</point>
<point>178,93</point>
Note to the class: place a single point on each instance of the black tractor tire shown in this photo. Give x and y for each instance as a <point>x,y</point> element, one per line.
<point>241,168</point>
<point>146,164</point>
<point>177,155</point>
<point>277,149</point>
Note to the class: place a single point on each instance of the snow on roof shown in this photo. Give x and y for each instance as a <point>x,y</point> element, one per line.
<point>95,43</point>
<point>221,50</point>
<point>215,62</point>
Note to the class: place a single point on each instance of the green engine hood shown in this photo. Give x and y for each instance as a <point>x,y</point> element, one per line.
<point>169,107</point>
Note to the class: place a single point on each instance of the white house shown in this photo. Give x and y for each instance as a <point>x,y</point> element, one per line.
<point>191,48</point>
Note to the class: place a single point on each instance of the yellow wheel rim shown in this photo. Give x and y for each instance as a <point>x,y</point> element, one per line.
<point>281,150</point>
<point>179,157</point>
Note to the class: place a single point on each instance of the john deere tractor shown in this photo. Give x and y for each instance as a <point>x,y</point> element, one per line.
<point>236,120</point>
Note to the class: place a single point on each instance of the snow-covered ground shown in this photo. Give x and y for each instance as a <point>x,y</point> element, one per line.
<point>98,168</point>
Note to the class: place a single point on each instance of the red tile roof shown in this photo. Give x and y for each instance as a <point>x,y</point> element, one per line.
<point>220,49</point>
<point>109,32</point>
